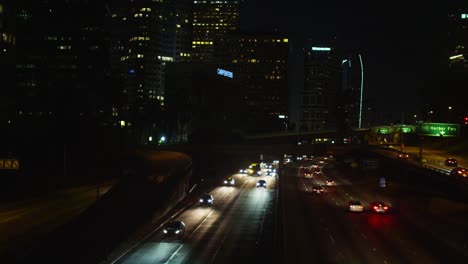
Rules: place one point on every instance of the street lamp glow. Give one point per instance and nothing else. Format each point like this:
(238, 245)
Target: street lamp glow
(450, 108)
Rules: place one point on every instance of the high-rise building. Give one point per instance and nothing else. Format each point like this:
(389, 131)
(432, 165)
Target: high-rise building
(136, 50)
(349, 96)
(259, 62)
(321, 84)
(212, 19)
(177, 30)
(458, 40)
(61, 59)
(7, 66)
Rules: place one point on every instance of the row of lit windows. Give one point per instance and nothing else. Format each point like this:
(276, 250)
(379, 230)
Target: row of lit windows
(58, 38)
(215, 2)
(184, 54)
(64, 47)
(210, 24)
(202, 42)
(464, 16)
(273, 77)
(140, 15)
(139, 38)
(138, 56)
(285, 40)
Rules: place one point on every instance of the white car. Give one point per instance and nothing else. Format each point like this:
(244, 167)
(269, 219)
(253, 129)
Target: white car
(355, 206)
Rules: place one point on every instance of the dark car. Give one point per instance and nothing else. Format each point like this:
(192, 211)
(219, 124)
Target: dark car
(459, 171)
(451, 162)
(317, 189)
(261, 183)
(206, 199)
(403, 155)
(229, 181)
(175, 228)
(379, 207)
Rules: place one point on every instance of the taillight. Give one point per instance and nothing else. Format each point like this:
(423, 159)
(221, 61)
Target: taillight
(385, 208)
(375, 207)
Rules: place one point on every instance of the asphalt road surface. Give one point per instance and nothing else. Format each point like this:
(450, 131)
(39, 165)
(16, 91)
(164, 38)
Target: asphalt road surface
(238, 228)
(318, 228)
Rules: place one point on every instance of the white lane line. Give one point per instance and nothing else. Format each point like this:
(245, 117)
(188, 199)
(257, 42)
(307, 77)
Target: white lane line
(173, 254)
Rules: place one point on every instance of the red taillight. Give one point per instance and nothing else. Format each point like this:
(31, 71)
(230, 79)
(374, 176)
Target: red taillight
(375, 207)
(385, 208)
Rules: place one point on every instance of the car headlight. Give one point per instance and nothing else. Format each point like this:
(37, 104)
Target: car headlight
(232, 182)
(225, 181)
(177, 231)
(209, 200)
(258, 184)
(201, 200)
(165, 231)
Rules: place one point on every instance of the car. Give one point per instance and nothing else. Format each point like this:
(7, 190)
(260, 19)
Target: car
(403, 155)
(206, 199)
(459, 171)
(175, 228)
(229, 181)
(317, 189)
(379, 207)
(330, 182)
(261, 183)
(355, 206)
(451, 162)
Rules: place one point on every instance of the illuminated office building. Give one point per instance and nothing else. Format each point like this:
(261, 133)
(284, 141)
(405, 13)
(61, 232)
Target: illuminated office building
(259, 62)
(320, 87)
(458, 40)
(7, 46)
(136, 54)
(62, 62)
(212, 19)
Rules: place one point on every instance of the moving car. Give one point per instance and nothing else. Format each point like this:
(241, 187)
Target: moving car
(175, 228)
(330, 182)
(459, 171)
(261, 183)
(229, 181)
(355, 206)
(379, 207)
(317, 189)
(403, 155)
(206, 199)
(451, 162)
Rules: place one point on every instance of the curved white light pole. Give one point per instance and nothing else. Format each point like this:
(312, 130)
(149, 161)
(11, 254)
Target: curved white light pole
(362, 89)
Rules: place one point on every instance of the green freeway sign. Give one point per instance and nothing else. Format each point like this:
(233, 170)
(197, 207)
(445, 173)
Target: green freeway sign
(439, 130)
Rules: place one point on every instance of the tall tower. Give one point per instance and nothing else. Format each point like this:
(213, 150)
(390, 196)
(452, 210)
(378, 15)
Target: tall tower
(7, 66)
(136, 55)
(212, 19)
(321, 84)
(259, 62)
(458, 41)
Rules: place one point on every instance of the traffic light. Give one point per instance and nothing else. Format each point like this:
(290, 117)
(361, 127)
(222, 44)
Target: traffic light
(465, 120)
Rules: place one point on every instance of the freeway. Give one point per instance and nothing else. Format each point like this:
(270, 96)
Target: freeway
(422, 226)
(238, 227)
(24, 221)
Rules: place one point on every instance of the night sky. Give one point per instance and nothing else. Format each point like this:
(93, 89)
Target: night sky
(402, 46)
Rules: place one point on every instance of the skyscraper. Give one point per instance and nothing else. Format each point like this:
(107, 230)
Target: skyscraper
(259, 62)
(7, 66)
(321, 84)
(212, 19)
(458, 40)
(136, 51)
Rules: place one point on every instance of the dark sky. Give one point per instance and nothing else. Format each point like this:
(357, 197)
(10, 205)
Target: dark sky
(402, 46)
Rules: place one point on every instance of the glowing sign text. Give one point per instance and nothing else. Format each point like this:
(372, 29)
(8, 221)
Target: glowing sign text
(225, 73)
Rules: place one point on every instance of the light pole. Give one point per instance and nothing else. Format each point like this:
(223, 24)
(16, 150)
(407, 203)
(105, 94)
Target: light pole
(362, 90)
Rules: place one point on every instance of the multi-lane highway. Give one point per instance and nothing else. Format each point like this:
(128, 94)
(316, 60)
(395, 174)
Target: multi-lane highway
(319, 228)
(238, 228)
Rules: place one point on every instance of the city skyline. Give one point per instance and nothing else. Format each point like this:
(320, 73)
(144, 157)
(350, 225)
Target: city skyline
(403, 49)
